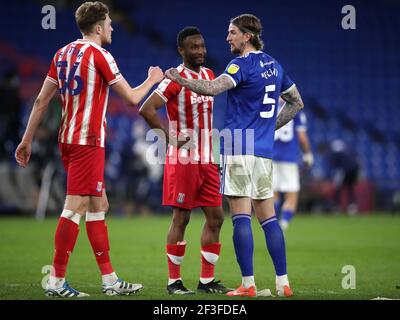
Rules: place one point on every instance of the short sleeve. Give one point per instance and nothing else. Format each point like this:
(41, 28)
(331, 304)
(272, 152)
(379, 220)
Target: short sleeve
(52, 73)
(287, 83)
(300, 121)
(107, 66)
(168, 89)
(236, 70)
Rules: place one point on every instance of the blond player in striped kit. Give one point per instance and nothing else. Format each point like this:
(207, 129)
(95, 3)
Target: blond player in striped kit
(82, 72)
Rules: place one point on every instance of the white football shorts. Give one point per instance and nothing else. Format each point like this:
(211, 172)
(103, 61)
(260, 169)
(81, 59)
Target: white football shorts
(286, 177)
(246, 176)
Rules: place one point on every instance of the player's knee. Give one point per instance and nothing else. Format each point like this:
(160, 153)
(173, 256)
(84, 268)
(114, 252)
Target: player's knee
(215, 223)
(289, 206)
(82, 205)
(98, 204)
(105, 205)
(217, 219)
(181, 221)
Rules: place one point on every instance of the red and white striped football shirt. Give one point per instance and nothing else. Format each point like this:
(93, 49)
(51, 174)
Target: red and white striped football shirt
(190, 110)
(83, 72)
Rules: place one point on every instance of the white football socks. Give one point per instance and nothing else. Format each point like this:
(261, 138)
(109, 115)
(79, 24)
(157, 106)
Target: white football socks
(284, 225)
(171, 281)
(206, 280)
(247, 282)
(56, 283)
(109, 279)
(281, 281)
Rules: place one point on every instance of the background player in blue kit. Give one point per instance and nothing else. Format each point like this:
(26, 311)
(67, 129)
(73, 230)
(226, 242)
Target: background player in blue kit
(286, 176)
(255, 82)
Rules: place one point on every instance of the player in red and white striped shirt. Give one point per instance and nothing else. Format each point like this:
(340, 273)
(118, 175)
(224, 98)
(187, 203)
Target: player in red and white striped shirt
(91, 71)
(191, 179)
(83, 71)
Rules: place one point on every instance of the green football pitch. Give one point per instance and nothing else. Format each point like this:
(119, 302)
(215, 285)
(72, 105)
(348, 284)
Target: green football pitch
(318, 249)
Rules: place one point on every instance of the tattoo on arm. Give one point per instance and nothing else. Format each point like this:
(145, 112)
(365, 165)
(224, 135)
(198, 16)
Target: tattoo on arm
(294, 104)
(207, 87)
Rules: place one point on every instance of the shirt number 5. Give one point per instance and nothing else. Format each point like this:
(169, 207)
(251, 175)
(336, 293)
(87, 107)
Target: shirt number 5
(268, 100)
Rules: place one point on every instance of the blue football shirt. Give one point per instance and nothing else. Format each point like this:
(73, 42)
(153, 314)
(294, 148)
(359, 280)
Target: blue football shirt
(252, 104)
(286, 147)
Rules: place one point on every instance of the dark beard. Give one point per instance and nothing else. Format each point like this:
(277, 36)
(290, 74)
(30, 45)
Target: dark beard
(196, 64)
(235, 51)
(238, 50)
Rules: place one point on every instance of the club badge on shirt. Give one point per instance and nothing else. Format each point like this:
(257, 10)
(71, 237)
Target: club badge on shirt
(233, 68)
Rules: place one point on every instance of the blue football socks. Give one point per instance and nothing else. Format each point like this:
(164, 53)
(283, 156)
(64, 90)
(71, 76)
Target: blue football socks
(275, 244)
(287, 215)
(243, 243)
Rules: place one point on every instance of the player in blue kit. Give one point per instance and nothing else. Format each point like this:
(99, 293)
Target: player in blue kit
(255, 82)
(289, 140)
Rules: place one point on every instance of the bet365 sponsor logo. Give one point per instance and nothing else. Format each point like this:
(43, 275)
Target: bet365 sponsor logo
(200, 99)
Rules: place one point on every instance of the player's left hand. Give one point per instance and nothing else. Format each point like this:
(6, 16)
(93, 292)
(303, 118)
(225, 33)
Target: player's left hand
(308, 159)
(172, 74)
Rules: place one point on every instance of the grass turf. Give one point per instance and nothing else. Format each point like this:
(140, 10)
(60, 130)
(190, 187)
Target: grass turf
(318, 246)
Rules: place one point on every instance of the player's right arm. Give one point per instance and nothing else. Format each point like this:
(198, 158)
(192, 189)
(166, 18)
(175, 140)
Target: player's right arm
(132, 96)
(23, 151)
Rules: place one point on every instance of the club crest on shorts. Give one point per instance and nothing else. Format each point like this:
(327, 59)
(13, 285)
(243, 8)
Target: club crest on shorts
(99, 186)
(181, 197)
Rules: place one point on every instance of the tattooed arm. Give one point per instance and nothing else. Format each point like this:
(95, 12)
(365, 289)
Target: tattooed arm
(293, 105)
(204, 87)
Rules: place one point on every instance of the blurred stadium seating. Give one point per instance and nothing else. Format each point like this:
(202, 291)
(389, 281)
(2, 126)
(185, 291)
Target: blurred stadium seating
(349, 80)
